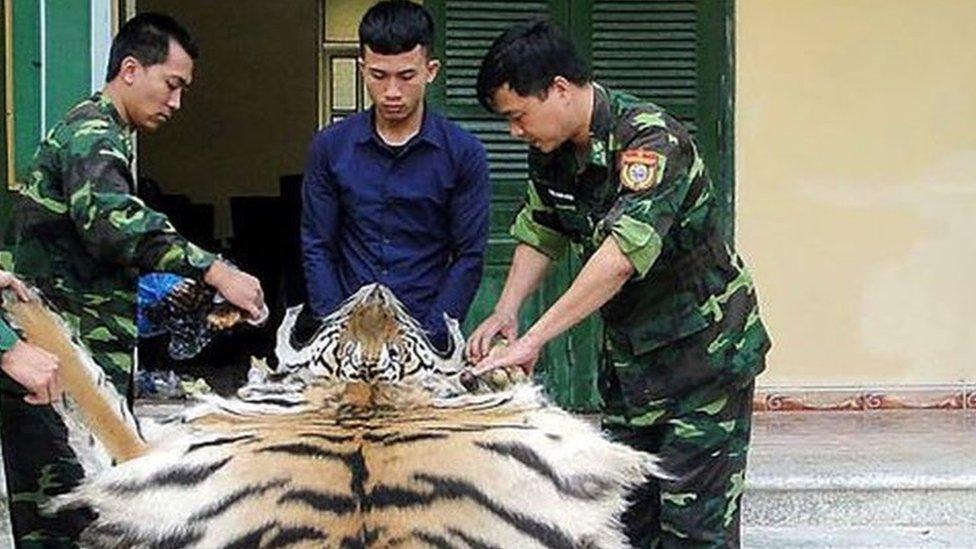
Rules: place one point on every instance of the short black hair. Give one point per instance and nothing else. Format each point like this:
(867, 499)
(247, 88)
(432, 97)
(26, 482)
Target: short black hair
(146, 37)
(396, 26)
(528, 57)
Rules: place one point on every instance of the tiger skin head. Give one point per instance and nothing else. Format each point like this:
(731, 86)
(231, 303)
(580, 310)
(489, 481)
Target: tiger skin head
(372, 338)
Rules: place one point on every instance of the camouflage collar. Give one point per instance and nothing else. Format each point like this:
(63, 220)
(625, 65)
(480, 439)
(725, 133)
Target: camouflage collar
(105, 105)
(601, 121)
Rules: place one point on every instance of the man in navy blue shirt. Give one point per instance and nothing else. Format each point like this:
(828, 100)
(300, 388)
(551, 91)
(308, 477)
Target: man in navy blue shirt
(397, 194)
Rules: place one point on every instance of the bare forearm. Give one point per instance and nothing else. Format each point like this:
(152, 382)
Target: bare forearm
(599, 280)
(237, 287)
(529, 268)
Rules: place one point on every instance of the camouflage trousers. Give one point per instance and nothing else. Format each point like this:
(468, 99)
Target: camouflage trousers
(702, 441)
(37, 459)
(39, 465)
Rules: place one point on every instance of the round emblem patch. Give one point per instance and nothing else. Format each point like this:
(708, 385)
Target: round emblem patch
(640, 169)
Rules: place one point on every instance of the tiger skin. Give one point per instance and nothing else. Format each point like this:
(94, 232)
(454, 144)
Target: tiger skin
(365, 437)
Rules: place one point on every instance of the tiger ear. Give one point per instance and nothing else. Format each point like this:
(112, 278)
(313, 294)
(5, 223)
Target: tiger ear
(452, 360)
(289, 349)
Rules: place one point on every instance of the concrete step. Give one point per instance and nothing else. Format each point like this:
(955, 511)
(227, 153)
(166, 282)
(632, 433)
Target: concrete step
(821, 537)
(907, 474)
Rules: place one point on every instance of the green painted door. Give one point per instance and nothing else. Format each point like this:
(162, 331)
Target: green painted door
(51, 67)
(675, 53)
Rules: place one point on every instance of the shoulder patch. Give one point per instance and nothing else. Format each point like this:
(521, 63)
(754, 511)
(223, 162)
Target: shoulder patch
(641, 169)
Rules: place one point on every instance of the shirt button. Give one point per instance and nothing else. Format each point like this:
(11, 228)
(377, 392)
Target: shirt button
(386, 240)
(386, 272)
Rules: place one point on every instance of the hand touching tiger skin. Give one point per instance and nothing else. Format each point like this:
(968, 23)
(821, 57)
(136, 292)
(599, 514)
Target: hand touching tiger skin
(481, 340)
(523, 353)
(32, 367)
(35, 369)
(8, 280)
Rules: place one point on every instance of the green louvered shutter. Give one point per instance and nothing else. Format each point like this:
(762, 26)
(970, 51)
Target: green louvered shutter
(648, 49)
(678, 55)
(469, 26)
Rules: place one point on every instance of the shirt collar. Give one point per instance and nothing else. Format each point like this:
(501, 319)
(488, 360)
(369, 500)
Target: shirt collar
(105, 105)
(428, 133)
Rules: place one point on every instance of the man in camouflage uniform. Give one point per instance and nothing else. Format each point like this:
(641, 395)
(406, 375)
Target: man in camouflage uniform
(78, 233)
(624, 182)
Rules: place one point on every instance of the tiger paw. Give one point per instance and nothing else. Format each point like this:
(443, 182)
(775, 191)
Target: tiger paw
(223, 317)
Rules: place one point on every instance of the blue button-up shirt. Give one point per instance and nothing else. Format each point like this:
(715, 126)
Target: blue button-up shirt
(415, 220)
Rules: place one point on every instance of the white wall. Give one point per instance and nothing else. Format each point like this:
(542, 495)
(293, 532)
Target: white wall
(856, 161)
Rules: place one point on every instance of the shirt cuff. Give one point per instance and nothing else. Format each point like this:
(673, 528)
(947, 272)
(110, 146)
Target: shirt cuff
(639, 242)
(543, 239)
(8, 337)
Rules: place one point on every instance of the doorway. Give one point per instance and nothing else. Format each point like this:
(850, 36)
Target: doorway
(227, 170)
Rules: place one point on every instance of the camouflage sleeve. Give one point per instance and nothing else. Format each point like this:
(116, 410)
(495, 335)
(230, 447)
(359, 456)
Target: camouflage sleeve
(115, 226)
(534, 225)
(655, 169)
(7, 336)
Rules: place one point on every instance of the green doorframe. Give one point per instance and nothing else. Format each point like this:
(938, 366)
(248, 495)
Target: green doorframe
(48, 78)
(6, 167)
(717, 26)
(26, 87)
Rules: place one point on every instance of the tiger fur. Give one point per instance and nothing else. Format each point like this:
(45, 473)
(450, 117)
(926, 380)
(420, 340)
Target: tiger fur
(368, 440)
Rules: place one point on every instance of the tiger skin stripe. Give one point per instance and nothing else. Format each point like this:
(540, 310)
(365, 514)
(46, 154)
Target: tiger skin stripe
(408, 473)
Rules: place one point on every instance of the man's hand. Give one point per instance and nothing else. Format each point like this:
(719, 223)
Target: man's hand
(35, 369)
(237, 287)
(524, 353)
(481, 340)
(8, 280)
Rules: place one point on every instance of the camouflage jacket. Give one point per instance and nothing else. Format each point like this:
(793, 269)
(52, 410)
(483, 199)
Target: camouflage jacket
(79, 234)
(643, 183)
